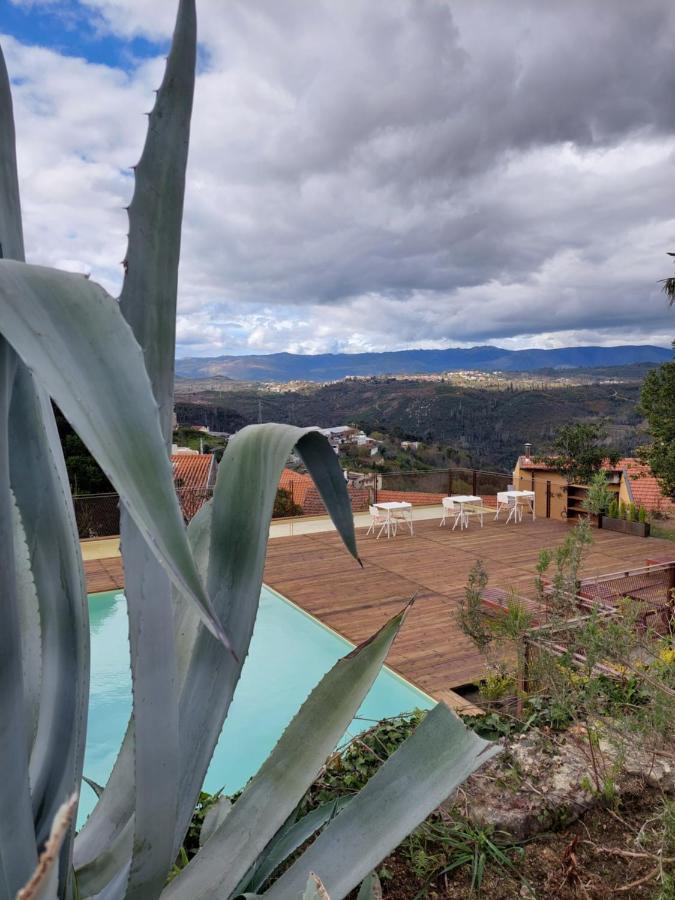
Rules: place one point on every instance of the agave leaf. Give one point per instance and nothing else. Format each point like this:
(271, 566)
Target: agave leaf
(40, 484)
(314, 889)
(214, 817)
(18, 852)
(105, 828)
(94, 785)
(29, 624)
(243, 501)
(44, 881)
(424, 771)
(292, 836)
(148, 298)
(148, 302)
(233, 544)
(370, 889)
(71, 333)
(11, 232)
(270, 797)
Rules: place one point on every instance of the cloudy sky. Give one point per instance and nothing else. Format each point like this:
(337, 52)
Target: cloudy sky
(369, 174)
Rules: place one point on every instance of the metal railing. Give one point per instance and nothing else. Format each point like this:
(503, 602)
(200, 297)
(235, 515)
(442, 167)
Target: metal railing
(439, 482)
(98, 515)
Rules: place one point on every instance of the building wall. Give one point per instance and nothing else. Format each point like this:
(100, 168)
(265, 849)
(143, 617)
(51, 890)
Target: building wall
(535, 480)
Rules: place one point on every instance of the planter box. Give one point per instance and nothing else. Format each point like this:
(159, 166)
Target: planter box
(637, 529)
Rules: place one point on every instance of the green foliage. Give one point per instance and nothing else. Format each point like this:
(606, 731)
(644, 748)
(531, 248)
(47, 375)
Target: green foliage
(284, 505)
(657, 402)
(599, 497)
(84, 473)
(445, 844)
(496, 684)
(579, 451)
(349, 769)
(642, 515)
(613, 509)
(190, 845)
(469, 613)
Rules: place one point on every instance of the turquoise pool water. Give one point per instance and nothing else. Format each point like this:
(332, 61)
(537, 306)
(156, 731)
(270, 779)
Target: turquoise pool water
(290, 651)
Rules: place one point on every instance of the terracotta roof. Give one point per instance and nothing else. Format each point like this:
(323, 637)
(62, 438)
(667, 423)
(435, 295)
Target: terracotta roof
(644, 487)
(296, 484)
(192, 471)
(304, 492)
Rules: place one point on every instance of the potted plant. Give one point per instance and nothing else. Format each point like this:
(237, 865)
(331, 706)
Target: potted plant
(599, 498)
(626, 518)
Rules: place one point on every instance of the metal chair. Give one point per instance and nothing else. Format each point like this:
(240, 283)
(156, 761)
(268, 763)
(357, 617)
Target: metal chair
(379, 517)
(450, 508)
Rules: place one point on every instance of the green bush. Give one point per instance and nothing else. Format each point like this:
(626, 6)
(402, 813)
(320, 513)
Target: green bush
(642, 515)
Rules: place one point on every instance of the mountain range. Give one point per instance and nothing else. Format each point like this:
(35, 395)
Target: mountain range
(333, 366)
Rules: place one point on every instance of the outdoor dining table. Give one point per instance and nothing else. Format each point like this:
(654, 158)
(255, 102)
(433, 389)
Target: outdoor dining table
(390, 506)
(463, 500)
(516, 496)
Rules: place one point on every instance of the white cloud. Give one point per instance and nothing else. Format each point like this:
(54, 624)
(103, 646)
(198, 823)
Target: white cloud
(376, 176)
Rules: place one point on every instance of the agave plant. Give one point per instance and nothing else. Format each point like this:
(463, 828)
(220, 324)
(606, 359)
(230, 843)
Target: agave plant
(192, 593)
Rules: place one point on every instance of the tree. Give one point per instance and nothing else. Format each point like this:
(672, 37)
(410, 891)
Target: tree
(580, 450)
(657, 403)
(669, 286)
(284, 505)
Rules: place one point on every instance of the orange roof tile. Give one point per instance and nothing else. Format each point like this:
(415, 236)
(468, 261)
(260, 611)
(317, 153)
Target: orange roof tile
(644, 487)
(192, 470)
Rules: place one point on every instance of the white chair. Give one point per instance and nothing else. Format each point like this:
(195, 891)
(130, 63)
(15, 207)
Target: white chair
(477, 510)
(450, 508)
(381, 518)
(404, 516)
(504, 501)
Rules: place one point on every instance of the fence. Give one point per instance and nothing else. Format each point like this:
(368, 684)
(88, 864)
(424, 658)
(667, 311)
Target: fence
(98, 515)
(436, 483)
(646, 594)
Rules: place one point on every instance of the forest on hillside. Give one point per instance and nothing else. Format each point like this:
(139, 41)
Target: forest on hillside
(483, 428)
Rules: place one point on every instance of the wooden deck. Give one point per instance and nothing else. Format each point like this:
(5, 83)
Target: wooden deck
(315, 572)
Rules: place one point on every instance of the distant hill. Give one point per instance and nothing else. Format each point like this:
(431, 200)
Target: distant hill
(332, 366)
(482, 428)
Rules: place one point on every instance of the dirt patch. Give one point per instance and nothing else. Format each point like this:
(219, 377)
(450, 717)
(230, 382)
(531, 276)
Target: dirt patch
(576, 862)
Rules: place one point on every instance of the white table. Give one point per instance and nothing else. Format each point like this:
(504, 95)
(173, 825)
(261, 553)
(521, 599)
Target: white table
(463, 500)
(516, 509)
(392, 505)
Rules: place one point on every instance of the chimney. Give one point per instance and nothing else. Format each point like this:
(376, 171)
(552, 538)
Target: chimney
(528, 450)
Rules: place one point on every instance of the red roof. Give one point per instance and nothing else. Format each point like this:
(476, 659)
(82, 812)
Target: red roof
(192, 470)
(644, 487)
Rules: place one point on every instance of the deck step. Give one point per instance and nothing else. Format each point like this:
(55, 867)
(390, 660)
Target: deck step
(458, 703)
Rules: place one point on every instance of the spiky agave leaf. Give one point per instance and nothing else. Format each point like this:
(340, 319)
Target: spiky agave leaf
(440, 754)
(287, 773)
(37, 474)
(18, 851)
(72, 335)
(148, 302)
(229, 537)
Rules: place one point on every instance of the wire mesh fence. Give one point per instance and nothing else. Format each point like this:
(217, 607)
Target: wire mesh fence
(436, 483)
(98, 515)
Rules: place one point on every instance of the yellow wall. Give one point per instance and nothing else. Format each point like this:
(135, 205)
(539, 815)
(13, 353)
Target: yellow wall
(535, 479)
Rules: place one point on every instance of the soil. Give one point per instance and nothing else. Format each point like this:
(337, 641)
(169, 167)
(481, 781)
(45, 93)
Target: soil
(576, 862)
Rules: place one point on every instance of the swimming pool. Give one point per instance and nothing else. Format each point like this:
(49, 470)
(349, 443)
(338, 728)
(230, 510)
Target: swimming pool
(289, 653)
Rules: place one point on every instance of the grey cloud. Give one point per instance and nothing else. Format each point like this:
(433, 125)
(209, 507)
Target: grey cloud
(394, 172)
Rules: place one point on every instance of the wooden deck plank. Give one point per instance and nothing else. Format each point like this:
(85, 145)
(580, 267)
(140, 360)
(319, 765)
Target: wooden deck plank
(316, 573)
